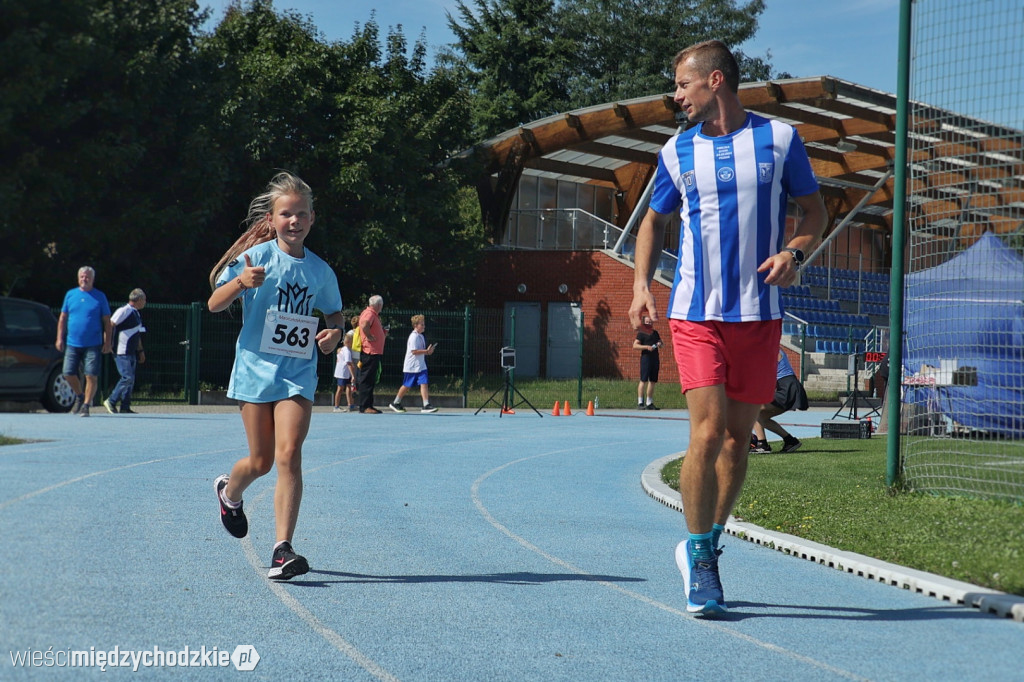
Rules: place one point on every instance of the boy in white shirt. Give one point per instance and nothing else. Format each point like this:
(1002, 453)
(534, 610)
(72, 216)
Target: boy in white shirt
(345, 372)
(414, 371)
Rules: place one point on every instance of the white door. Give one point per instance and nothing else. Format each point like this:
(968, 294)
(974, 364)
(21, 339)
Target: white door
(564, 340)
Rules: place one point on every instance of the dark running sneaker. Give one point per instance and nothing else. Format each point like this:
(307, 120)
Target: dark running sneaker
(703, 586)
(233, 519)
(397, 407)
(286, 564)
(428, 409)
(790, 444)
(76, 407)
(127, 410)
(762, 448)
(652, 406)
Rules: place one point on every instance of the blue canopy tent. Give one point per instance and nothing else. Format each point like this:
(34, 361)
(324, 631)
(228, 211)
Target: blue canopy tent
(971, 309)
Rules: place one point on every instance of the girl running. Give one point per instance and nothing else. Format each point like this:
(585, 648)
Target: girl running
(282, 285)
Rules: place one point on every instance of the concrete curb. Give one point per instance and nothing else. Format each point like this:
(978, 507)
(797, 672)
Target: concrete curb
(939, 587)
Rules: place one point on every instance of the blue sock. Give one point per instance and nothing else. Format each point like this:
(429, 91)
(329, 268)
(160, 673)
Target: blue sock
(716, 534)
(700, 546)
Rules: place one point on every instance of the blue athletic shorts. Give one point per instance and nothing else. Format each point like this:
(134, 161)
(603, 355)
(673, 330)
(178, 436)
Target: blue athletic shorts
(345, 382)
(410, 379)
(89, 357)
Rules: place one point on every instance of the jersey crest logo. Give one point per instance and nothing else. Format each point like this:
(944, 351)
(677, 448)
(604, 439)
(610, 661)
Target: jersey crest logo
(689, 179)
(294, 299)
(726, 174)
(765, 172)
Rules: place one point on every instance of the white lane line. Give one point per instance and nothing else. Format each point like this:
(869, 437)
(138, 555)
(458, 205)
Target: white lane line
(722, 628)
(307, 616)
(335, 640)
(78, 479)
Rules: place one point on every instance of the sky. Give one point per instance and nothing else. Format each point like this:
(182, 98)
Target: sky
(855, 40)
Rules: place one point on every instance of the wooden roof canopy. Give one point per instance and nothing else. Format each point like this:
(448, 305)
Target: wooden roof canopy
(848, 130)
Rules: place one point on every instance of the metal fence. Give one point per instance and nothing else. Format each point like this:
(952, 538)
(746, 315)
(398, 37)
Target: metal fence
(189, 349)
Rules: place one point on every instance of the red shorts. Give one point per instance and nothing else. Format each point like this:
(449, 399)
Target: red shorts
(741, 355)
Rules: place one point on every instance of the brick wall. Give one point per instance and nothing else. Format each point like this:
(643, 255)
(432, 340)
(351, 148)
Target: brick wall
(601, 285)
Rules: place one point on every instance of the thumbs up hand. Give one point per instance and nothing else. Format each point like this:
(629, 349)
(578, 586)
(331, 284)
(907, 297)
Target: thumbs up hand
(252, 277)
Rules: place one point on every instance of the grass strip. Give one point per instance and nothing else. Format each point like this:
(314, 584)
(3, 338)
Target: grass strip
(833, 492)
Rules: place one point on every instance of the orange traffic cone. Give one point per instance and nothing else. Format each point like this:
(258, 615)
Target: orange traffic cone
(554, 410)
(590, 408)
(566, 411)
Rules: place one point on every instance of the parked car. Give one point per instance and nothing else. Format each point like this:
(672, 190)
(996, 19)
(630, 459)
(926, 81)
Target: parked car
(30, 364)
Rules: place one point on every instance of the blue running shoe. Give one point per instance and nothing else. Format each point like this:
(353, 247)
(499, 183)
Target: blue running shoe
(703, 587)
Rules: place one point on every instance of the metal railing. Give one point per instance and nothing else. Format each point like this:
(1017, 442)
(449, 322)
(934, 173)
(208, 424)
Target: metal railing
(573, 229)
(551, 229)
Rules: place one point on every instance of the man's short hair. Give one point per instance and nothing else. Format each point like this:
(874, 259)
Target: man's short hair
(376, 301)
(711, 55)
(417, 319)
(137, 295)
(87, 268)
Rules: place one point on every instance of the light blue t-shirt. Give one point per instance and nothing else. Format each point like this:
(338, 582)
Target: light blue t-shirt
(86, 310)
(292, 285)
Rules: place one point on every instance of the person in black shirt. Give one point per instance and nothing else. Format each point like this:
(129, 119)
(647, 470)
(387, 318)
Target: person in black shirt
(647, 341)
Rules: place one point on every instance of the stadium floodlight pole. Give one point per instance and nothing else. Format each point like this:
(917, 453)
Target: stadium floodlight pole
(899, 202)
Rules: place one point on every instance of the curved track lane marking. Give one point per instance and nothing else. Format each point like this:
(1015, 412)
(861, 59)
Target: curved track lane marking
(335, 640)
(307, 616)
(523, 542)
(83, 477)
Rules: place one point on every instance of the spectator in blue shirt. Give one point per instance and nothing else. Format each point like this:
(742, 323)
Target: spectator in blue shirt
(83, 334)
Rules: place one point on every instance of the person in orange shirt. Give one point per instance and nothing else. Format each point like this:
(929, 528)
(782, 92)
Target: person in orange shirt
(374, 336)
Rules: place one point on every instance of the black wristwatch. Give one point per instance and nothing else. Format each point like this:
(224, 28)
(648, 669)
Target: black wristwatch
(798, 255)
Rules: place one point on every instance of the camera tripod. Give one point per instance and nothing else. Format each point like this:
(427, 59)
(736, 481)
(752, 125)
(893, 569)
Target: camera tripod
(505, 405)
(851, 400)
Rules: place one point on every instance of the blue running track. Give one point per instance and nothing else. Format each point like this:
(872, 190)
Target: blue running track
(450, 546)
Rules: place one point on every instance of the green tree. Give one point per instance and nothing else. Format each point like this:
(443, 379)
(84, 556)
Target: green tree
(368, 126)
(514, 58)
(102, 144)
(624, 48)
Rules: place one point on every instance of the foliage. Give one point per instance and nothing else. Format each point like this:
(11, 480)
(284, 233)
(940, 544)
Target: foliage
(624, 48)
(513, 56)
(103, 143)
(133, 141)
(368, 128)
(128, 135)
(526, 59)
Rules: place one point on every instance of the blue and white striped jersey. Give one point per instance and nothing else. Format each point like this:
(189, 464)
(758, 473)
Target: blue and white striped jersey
(731, 192)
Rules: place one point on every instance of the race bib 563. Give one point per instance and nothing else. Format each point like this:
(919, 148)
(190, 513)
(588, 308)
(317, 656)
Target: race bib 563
(288, 334)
